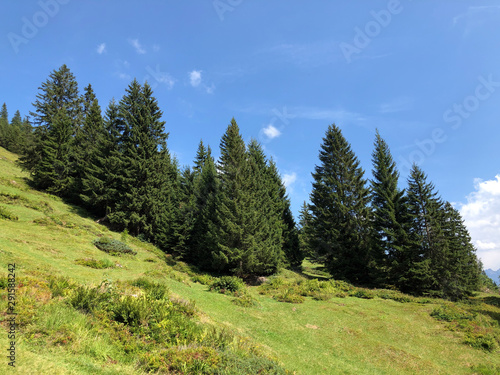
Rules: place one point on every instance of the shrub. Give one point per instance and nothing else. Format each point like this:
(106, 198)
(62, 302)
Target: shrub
(112, 246)
(203, 279)
(485, 341)
(59, 286)
(290, 296)
(245, 300)
(362, 293)
(154, 290)
(96, 264)
(87, 299)
(224, 284)
(6, 214)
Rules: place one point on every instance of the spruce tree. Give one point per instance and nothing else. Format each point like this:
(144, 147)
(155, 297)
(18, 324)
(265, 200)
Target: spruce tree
(203, 241)
(232, 204)
(462, 269)
(4, 127)
(425, 256)
(305, 233)
(86, 148)
(146, 197)
(340, 211)
(57, 115)
(389, 210)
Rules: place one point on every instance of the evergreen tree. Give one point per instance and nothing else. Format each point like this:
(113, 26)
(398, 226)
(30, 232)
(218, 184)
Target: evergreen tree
(305, 233)
(461, 268)
(56, 117)
(4, 127)
(389, 209)
(203, 241)
(85, 150)
(232, 204)
(146, 197)
(426, 253)
(340, 212)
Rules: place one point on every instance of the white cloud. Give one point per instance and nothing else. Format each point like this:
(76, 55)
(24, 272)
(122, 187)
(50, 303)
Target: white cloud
(289, 179)
(137, 45)
(195, 78)
(396, 105)
(271, 132)
(481, 214)
(101, 48)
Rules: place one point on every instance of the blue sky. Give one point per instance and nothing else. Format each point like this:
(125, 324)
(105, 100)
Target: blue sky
(426, 74)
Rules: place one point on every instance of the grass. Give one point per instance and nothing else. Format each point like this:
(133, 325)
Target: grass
(335, 329)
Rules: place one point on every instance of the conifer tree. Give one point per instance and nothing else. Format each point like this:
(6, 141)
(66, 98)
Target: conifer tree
(146, 196)
(340, 213)
(232, 204)
(305, 233)
(461, 267)
(56, 116)
(86, 148)
(203, 241)
(389, 209)
(425, 254)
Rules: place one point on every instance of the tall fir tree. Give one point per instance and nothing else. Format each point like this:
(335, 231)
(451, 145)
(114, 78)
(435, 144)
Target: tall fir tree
(86, 150)
(340, 211)
(56, 116)
(203, 241)
(461, 267)
(389, 210)
(148, 178)
(305, 233)
(232, 204)
(425, 254)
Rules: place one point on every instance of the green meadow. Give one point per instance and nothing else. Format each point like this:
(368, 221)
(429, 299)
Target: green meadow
(82, 310)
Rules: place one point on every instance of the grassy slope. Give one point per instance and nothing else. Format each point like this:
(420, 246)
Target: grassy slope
(339, 336)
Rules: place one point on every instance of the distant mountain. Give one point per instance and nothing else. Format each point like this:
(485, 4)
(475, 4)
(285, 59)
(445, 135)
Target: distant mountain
(493, 275)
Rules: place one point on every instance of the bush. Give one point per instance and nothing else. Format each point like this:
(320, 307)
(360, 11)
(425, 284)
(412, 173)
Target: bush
(245, 300)
(484, 341)
(59, 286)
(112, 246)
(225, 284)
(362, 293)
(290, 296)
(87, 299)
(6, 214)
(154, 290)
(96, 264)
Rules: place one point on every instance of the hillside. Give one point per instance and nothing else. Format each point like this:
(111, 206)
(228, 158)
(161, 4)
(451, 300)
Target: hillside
(66, 328)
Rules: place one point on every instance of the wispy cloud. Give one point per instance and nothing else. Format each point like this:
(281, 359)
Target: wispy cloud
(475, 16)
(481, 214)
(137, 46)
(195, 78)
(156, 76)
(101, 48)
(271, 132)
(397, 105)
(289, 179)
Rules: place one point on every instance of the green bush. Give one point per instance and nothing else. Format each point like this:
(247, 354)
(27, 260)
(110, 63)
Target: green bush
(112, 246)
(245, 300)
(227, 284)
(59, 286)
(87, 299)
(451, 313)
(6, 214)
(484, 341)
(362, 293)
(290, 296)
(96, 264)
(154, 290)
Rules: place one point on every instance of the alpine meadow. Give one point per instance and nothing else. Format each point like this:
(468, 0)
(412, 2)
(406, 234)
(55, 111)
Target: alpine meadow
(175, 218)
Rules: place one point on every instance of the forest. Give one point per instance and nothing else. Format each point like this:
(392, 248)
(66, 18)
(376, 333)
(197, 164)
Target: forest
(232, 216)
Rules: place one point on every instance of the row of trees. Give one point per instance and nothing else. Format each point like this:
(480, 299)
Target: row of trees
(233, 215)
(378, 234)
(230, 216)
(15, 135)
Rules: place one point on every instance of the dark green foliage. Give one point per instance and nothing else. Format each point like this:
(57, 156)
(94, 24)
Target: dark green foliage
(305, 233)
(15, 136)
(389, 210)
(340, 228)
(57, 116)
(112, 246)
(154, 290)
(225, 284)
(86, 151)
(203, 241)
(145, 199)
